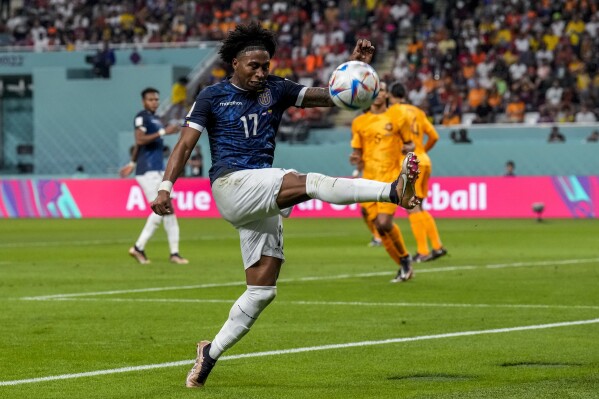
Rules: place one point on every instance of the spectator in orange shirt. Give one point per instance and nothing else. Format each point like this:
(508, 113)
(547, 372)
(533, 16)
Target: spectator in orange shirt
(515, 109)
(415, 46)
(476, 95)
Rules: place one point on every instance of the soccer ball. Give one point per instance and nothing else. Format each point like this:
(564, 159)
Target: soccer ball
(354, 85)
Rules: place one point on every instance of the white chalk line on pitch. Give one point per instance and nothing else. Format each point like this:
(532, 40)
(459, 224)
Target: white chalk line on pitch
(157, 239)
(313, 278)
(301, 350)
(340, 303)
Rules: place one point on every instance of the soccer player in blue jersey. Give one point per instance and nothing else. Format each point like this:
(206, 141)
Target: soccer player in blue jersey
(148, 161)
(241, 115)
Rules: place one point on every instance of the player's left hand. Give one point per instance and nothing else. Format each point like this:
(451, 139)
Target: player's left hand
(363, 51)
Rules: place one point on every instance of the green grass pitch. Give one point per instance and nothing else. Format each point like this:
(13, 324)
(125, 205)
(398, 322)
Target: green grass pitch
(511, 312)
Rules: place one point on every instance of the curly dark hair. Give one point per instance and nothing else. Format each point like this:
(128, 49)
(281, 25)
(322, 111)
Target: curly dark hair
(247, 36)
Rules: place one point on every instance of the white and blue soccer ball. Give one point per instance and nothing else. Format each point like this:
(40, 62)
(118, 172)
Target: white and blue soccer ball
(354, 85)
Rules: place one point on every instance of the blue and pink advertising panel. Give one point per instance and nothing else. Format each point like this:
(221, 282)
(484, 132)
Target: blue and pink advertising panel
(451, 197)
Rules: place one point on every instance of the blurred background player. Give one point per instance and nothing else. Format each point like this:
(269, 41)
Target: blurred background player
(375, 240)
(147, 159)
(422, 222)
(377, 141)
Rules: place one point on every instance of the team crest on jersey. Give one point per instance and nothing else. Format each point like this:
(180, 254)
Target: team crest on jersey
(265, 99)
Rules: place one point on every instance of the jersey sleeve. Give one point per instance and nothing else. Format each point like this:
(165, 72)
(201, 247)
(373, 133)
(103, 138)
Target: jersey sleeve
(293, 93)
(140, 123)
(199, 114)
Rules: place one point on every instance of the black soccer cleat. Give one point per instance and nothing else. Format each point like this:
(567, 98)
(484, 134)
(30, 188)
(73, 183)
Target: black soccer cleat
(437, 253)
(405, 271)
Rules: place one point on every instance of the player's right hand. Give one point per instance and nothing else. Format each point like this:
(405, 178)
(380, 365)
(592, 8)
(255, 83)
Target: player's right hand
(162, 204)
(126, 170)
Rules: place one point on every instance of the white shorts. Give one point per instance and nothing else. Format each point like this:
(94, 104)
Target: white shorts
(149, 183)
(248, 200)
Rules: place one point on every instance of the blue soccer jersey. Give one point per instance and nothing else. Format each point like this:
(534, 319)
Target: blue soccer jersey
(241, 124)
(149, 156)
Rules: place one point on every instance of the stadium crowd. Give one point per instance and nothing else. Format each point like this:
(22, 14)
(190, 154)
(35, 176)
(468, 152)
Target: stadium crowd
(491, 60)
(501, 60)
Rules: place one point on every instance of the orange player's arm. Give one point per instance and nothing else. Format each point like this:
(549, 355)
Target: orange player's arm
(429, 130)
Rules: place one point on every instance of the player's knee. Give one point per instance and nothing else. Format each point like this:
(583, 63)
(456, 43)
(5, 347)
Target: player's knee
(293, 190)
(262, 296)
(383, 226)
(313, 183)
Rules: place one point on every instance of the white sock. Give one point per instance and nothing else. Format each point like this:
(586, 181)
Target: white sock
(337, 190)
(242, 316)
(152, 224)
(172, 232)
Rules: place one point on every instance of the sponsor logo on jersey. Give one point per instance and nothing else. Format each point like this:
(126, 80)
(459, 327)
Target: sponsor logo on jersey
(229, 103)
(265, 99)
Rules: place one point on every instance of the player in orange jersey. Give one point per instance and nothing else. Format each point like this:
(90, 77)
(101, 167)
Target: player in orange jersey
(377, 142)
(422, 223)
(376, 240)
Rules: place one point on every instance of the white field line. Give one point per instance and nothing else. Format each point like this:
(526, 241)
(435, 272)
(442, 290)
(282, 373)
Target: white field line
(315, 278)
(342, 303)
(158, 239)
(300, 350)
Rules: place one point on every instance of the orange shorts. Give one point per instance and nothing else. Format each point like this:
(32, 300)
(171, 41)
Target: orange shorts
(374, 208)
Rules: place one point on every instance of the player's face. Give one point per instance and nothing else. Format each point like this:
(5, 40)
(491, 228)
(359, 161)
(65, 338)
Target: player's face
(151, 101)
(250, 70)
(382, 96)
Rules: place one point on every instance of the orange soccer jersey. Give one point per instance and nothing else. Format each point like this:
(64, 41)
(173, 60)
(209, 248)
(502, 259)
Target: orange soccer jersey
(380, 137)
(419, 126)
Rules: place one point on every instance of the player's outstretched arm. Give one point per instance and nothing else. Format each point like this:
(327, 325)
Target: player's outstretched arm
(319, 96)
(174, 168)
